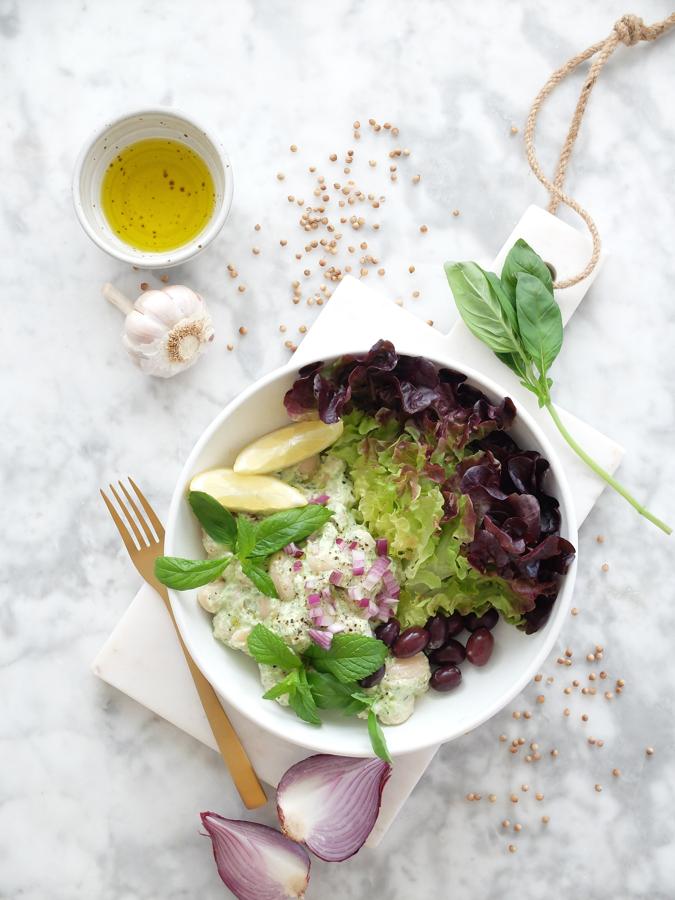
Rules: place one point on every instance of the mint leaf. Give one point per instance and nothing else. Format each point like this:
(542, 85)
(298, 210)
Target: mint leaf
(285, 686)
(282, 528)
(522, 258)
(246, 533)
(350, 657)
(301, 701)
(377, 738)
(267, 647)
(183, 574)
(539, 320)
(329, 693)
(259, 577)
(216, 521)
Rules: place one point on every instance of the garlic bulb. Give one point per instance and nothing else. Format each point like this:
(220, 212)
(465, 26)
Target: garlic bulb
(165, 330)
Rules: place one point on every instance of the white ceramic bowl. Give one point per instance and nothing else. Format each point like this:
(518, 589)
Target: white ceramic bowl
(113, 137)
(437, 717)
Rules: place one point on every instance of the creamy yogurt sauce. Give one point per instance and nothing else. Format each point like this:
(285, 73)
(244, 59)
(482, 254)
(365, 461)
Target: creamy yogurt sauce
(237, 605)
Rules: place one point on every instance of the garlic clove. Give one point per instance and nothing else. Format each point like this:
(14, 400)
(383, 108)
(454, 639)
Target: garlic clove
(143, 329)
(189, 302)
(161, 306)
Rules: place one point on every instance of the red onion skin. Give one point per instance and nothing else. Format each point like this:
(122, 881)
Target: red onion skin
(327, 766)
(230, 870)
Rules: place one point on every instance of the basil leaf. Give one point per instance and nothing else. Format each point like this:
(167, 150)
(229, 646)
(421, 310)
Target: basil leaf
(349, 658)
(539, 319)
(183, 574)
(282, 528)
(514, 362)
(217, 522)
(285, 686)
(302, 702)
(377, 738)
(329, 693)
(507, 303)
(259, 577)
(267, 647)
(480, 308)
(522, 258)
(246, 532)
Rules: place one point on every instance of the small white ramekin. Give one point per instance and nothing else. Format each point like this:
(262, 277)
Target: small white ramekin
(114, 136)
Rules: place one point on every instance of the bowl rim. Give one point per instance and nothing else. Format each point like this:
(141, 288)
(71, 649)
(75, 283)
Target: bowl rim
(563, 602)
(146, 259)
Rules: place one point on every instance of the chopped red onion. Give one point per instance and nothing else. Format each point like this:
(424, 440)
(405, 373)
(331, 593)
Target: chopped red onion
(340, 541)
(331, 803)
(364, 602)
(321, 638)
(353, 545)
(293, 550)
(391, 585)
(358, 562)
(256, 861)
(325, 594)
(372, 609)
(354, 593)
(336, 627)
(335, 577)
(381, 546)
(315, 612)
(313, 600)
(375, 572)
(320, 500)
(297, 566)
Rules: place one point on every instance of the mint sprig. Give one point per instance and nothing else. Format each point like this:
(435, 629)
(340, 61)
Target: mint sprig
(251, 542)
(518, 318)
(311, 685)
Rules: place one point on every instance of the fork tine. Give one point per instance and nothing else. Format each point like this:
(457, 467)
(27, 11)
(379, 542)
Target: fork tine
(152, 515)
(130, 519)
(139, 515)
(121, 527)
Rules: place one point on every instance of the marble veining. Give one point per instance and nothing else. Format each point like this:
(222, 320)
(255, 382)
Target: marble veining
(98, 798)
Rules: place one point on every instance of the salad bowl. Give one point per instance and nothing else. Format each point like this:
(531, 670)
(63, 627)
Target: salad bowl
(438, 717)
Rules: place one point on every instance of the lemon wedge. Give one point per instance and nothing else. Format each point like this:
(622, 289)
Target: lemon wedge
(247, 493)
(286, 447)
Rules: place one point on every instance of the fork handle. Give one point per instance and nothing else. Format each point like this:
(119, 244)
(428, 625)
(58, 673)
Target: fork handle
(231, 749)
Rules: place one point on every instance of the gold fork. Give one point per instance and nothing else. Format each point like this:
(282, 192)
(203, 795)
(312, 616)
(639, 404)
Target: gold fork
(143, 551)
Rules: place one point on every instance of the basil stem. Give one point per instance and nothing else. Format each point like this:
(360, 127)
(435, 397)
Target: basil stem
(591, 463)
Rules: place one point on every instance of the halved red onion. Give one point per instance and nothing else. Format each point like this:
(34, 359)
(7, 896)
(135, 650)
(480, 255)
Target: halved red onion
(256, 861)
(335, 577)
(376, 572)
(358, 562)
(321, 638)
(381, 546)
(331, 803)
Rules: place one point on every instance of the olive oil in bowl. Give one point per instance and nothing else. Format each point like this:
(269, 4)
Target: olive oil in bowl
(157, 195)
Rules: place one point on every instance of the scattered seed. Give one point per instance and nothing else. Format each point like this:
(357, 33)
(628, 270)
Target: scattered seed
(492, 797)
(243, 329)
(411, 269)
(416, 179)
(545, 820)
(574, 611)
(230, 346)
(616, 772)
(455, 212)
(541, 698)
(280, 176)
(294, 148)
(538, 677)
(502, 738)
(283, 242)
(424, 228)
(514, 798)
(649, 751)
(514, 129)
(598, 788)
(566, 711)
(584, 718)
(517, 827)
(554, 753)
(241, 288)
(505, 823)
(527, 714)
(144, 285)
(512, 848)
(257, 227)
(255, 250)
(525, 788)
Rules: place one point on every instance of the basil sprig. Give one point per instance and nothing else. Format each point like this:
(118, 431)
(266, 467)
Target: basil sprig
(251, 542)
(518, 318)
(328, 679)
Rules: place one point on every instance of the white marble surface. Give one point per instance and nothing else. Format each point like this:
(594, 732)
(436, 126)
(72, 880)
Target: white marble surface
(99, 799)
